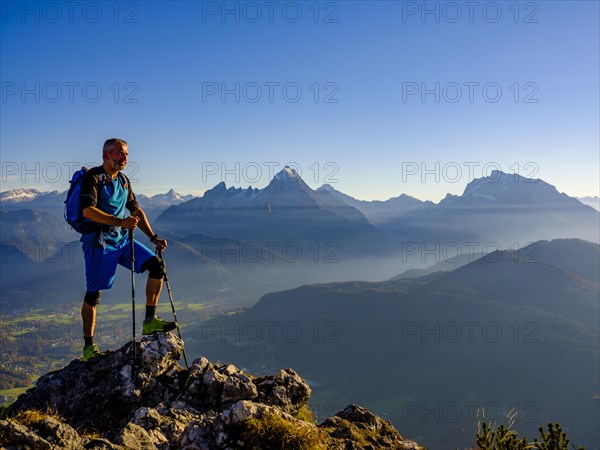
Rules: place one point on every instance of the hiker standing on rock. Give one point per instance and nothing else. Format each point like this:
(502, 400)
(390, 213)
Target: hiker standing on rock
(105, 194)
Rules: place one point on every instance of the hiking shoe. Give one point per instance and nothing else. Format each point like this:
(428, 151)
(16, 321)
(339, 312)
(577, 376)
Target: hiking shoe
(157, 325)
(91, 351)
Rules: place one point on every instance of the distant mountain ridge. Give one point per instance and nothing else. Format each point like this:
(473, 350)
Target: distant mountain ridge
(23, 195)
(53, 202)
(510, 190)
(509, 328)
(35, 232)
(287, 211)
(594, 202)
(155, 204)
(378, 211)
(502, 208)
(287, 222)
(35, 199)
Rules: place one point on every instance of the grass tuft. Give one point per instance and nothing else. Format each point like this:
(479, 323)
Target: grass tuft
(34, 416)
(273, 432)
(305, 414)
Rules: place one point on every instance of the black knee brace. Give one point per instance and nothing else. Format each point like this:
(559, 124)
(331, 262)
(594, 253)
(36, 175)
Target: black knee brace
(155, 267)
(92, 298)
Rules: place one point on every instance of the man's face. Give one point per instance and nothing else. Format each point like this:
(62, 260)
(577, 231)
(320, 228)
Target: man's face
(117, 157)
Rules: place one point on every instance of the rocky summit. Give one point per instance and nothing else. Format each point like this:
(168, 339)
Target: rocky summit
(100, 405)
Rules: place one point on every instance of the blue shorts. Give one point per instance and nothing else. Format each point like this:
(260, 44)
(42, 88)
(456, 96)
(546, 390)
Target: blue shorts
(101, 264)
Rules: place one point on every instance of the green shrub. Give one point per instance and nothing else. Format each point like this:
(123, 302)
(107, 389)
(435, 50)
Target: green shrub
(502, 438)
(554, 439)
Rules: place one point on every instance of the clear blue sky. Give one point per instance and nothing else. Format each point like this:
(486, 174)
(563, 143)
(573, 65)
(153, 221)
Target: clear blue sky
(157, 66)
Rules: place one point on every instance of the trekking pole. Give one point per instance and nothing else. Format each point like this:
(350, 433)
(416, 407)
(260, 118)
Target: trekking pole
(166, 278)
(132, 258)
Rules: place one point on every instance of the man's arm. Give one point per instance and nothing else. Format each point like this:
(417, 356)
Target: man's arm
(89, 199)
(95, 214)
(147, 229)
(143, 222)
(138, 214)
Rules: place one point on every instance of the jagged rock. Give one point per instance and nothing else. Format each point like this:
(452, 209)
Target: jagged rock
(135, 437)
(180, 416)
(237, 387)
(60, 435)
(196, 436)
(148, 418)
(213, 386)
(101, 444)
(165, 407)
(101, 393)
(208, 384)
(45, 432)
(13, 435)
(374, 432)
(286, 389)
(165, 425)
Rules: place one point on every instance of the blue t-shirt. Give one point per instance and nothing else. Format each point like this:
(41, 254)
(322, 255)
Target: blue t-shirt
(113, 197)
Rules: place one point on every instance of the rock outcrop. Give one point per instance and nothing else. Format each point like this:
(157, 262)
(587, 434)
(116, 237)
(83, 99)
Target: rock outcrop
(100, 405)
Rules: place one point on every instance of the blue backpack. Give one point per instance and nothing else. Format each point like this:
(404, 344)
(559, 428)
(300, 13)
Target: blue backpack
(73, 213)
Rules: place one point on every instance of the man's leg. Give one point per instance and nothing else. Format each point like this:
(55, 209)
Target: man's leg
(153, 289)
(100, 269)
(88, 315)
(156, 274)
(146, 260)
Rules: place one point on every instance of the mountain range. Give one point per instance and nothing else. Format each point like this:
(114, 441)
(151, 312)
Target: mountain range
(504, 209)
(287, 212)
(379, 212)
(53, 202)
(256, 240)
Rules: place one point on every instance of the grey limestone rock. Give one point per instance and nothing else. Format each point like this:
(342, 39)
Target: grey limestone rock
(101, 405)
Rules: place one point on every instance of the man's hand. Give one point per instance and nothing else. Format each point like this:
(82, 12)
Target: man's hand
(129, 223)
(160, 243)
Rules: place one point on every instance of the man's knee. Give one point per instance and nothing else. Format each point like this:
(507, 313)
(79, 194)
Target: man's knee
(155, 267)
(92, 298)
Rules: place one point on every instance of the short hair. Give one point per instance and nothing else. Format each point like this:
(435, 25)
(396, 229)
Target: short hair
(109, 143)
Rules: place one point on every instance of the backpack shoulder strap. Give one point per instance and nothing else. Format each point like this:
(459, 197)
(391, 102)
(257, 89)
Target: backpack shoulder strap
(125, 181)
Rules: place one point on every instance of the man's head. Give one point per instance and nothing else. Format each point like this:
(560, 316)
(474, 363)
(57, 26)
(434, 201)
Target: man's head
(114, 154)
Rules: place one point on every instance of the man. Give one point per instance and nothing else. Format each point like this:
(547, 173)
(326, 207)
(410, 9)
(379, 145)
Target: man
(105, 194)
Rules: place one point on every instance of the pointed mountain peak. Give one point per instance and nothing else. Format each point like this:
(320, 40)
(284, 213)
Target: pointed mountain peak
(287, 174)
(219, 189)
(326, 187)
(286, 179)
(168, 195)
